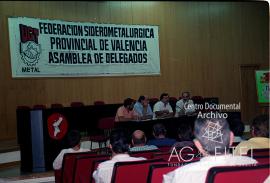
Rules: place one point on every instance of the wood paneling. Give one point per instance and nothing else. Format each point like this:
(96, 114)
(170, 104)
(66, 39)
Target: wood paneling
(249, 105)
(202, 45)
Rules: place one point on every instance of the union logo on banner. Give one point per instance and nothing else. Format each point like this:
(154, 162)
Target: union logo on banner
(29, 48)
(57, 126)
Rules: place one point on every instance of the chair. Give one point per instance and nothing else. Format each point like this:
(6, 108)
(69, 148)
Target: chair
(56, 105)
(57, 176)
(164, 148)
(157, 171)
(258, 152)
(145, 154)
(23, 107)
(68, 165)
(172, 157)
(163, 155)
(85, 165)
(173, 100)
(39, 106)
(132, 171)
(236, 174)
(152, 101)
(198, 99)
(99, 102)
(95, 164)
(76, 104)
(105, 125)
(262, 159)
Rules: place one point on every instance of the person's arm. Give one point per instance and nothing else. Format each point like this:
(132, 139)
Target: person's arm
(121, 116)
(157, 110)
(57, 163)
(103, 173)
(168, 178)
(147, 113)
(97, 176)
(148, 116)
(168, 113)
(160, 114)
(179, 108)
(134, 116)
(124, 118)
(137, 110)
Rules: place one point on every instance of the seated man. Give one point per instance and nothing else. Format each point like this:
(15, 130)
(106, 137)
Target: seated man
(213, 138)
(143, 109)
(237, 127)
(119, 147)
(139, 142)
(185, 137)
(260, 136)
(74, 139)
(185, 106)
(163, 109)
(159, 132)
(126, 112)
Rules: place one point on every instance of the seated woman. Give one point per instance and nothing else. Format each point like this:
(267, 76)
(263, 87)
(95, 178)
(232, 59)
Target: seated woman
(126, 112)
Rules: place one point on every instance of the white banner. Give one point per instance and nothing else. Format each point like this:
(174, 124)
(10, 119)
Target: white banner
(54, 48)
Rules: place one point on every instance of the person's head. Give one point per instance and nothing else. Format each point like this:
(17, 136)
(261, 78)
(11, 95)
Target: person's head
(74, 138)
(185, 132)
(260, 126)
(119, 142)
(164, 97)
(237, 127)
(144, 100)
(185, 95)
(159, 130)
(129, 103)
(138, 138)
(213, 136)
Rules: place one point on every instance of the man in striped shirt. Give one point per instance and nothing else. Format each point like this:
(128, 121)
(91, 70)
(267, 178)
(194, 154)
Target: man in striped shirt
(139, 142)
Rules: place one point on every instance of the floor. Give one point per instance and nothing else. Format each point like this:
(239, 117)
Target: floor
(10, 172)
(14, 175)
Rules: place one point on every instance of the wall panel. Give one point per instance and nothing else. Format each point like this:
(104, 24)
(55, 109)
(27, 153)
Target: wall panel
(202, 45)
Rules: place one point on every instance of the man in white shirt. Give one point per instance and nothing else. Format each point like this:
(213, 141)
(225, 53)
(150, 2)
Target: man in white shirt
(163, 109)
(74, 139)
(185, 106)
(213, 138)
(119, 147)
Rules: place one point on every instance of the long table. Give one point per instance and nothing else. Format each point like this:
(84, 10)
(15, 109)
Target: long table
(171, 125)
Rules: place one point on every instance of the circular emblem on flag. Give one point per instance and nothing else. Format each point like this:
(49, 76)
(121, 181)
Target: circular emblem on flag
(57, 126)
(30, 52)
